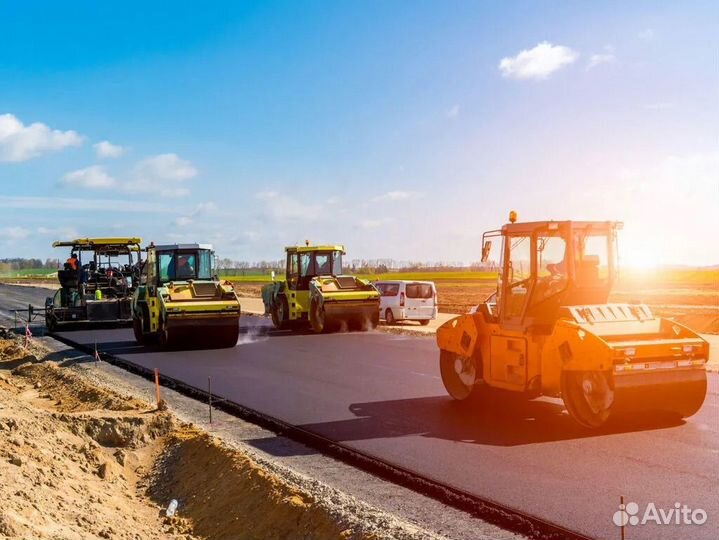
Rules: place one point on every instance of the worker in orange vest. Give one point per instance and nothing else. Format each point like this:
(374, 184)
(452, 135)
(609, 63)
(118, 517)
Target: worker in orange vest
(72, 262)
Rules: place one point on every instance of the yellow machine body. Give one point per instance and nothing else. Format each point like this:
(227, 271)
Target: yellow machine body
(601, 358)
(181, 302)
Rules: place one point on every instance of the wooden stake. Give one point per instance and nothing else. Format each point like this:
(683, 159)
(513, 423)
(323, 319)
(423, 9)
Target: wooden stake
(209, 395)
(157, 387)
(621, 505)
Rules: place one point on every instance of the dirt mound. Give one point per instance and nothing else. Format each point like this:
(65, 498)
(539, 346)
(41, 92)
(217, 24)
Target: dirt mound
(71, 392)
(227, 495)
(75, 475)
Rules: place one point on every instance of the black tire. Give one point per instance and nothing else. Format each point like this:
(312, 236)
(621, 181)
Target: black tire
(374, 320)
(50, 323)
(141, 325)
(280, 313)
(318, 318)
(389, 317)
(586, 397)
(424, 322)
(460, 375)
(137, 330)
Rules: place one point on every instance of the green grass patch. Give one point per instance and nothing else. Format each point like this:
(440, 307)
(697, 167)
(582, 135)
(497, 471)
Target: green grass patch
(33, 273)
(408, 276)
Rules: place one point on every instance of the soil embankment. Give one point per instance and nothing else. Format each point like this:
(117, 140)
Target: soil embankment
(79, 460)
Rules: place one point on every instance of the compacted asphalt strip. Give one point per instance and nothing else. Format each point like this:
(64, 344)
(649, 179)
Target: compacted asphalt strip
(381, 394)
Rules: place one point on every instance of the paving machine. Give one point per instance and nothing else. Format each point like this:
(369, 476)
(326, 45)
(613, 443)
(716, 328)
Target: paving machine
(180, 301)
(548, 330)
(316, 290)
(96, 284)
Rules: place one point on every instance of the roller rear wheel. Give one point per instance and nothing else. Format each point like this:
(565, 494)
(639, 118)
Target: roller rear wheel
(280, 313)
(141, 327)
(588, 396)
(318, 317)
(459, 374)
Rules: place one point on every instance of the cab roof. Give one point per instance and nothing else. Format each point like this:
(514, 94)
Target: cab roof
(319, 247)
(532, 226)
(175, 247)
(101, 244)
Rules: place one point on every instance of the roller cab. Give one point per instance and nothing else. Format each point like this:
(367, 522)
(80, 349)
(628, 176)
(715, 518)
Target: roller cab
(548, 330)
(181, 304)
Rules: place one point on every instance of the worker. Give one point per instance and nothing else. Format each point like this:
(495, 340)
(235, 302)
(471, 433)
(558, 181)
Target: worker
(184, 268)
(72, 263)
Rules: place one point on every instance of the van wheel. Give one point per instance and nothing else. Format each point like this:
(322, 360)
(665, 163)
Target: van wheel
(424, 322)
(389, 317)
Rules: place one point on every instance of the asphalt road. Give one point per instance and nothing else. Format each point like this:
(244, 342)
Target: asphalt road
(381, 393)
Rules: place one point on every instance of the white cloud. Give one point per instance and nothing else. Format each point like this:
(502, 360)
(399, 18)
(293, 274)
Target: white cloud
(283, 208)
(19, 142)
(163, 174)
(105, 149)
(646, 35)
(453, 112)
(374, 223)
(658, 106)
(537, 63)
(392, 196)
(94, 177)
(12, 234)
(603, 58)
(77, 204)
(62, 232)
(166, 167)
(200, 209)
(183, 221)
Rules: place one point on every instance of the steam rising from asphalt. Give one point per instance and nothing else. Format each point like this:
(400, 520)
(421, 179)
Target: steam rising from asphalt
(252, 334)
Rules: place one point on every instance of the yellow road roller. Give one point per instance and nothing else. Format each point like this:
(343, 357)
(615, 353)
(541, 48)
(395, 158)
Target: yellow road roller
(549, 330)
(180, 302)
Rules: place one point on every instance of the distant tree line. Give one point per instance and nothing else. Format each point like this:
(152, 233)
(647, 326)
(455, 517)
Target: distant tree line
(28, 264)
(229, 267)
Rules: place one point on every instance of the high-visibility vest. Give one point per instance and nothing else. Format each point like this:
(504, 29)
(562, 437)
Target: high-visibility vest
(72, 262)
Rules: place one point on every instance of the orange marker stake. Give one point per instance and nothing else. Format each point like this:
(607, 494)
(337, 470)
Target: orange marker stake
(157, 387)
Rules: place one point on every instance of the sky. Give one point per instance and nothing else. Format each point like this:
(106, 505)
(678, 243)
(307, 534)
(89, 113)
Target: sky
(400, 129)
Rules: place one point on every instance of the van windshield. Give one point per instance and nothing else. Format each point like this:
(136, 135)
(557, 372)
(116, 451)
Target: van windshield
(419, 290)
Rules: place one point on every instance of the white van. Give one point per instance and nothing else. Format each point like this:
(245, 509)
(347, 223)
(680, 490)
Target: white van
(407, 301)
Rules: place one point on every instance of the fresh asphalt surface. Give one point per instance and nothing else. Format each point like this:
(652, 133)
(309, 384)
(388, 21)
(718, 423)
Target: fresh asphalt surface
(381, 394)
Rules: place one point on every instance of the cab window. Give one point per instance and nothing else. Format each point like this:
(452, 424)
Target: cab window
(519, 271)
(552, 271)
(336, 263)
(204, 270)
(166, 261)
(591, 263)
(323, 264)
(306, 266)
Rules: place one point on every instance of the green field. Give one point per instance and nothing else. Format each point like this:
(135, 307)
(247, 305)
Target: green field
(30, 273)
(409, 276)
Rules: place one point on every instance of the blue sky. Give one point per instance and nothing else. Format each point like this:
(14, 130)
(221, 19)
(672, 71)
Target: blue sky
(402, 129)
